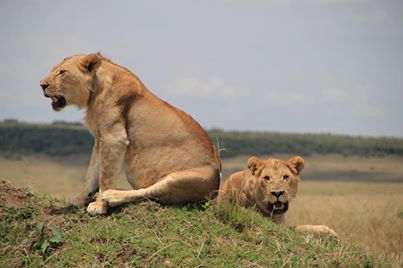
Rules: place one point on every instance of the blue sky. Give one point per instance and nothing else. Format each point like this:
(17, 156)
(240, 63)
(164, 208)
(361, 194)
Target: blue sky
(290, 66)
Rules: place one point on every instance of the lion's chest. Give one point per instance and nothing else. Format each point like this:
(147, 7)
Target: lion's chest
(91, 128)
(91, 124)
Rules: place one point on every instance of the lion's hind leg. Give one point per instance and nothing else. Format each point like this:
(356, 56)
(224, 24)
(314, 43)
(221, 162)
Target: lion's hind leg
(183, 186)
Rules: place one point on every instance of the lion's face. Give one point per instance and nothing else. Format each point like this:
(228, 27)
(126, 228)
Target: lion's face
(275, 182)
(70, 81)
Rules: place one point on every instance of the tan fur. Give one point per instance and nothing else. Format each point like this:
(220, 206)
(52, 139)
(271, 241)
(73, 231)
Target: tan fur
(165, 153)
(268, 186)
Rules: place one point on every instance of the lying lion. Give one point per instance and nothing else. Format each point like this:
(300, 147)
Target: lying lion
(165, 153)
(269, 185)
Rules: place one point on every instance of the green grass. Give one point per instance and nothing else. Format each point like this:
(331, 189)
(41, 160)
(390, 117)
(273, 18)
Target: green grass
(147, 234)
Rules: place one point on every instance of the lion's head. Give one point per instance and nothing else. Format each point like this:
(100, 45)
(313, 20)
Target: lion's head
(274, 182)
(71, 81)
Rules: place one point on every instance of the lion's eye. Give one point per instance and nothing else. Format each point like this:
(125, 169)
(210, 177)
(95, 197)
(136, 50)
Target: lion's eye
(62, 71)
(267, 178)
(285, 177)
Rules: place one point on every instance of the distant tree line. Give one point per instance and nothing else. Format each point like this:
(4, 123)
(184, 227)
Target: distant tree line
(61, 139)
(44, 139)
(267, 143)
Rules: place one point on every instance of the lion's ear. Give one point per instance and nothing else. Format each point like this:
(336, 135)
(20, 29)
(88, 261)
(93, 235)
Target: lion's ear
(255, 165)
(90, 63)
(297, 163)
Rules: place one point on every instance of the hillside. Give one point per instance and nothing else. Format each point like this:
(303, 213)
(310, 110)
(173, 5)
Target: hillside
(35, 232)
(64, 140)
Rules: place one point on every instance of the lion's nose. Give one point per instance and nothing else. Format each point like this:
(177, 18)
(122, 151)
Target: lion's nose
(277, 194)
(44, 86)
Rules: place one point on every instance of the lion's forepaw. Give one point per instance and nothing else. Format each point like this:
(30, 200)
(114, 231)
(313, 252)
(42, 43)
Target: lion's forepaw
(320, 231)
(112, 197)
(98, 207)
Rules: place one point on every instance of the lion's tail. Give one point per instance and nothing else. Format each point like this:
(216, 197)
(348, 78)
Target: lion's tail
(217, 150)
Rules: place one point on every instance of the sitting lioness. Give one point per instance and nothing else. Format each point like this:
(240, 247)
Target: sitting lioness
(269, 185)
(165, 153)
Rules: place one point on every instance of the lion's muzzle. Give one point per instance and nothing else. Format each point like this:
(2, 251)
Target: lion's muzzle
(58, 102)
(278, 207)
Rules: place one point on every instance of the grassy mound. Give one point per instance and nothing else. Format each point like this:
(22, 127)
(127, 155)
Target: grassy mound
(33, 233)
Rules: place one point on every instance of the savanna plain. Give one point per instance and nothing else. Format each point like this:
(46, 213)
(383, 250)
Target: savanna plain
(361, 198)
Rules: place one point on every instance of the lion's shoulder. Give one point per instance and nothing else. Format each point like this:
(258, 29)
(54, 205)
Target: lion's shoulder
(234, 182)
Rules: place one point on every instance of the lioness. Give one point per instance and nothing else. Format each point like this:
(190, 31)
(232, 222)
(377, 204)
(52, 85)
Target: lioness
(269, 185)
(165, 153)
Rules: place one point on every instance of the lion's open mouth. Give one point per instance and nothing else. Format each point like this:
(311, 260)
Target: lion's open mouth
(278, 207)
(58, 102)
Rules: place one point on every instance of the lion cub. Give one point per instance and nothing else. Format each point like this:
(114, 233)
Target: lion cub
(269, 185)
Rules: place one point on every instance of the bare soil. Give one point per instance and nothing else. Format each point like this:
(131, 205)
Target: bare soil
(11, 196)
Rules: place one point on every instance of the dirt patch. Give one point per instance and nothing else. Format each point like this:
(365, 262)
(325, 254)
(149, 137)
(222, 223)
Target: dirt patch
(10, 196)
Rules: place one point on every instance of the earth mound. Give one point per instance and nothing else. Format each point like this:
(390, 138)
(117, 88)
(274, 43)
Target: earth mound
(11, 196)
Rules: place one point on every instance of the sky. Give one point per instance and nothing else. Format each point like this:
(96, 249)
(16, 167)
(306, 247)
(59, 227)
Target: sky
(306, 66)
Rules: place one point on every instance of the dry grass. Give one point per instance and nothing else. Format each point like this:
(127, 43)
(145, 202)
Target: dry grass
(43, 174)
(58, 177)
(368, 214)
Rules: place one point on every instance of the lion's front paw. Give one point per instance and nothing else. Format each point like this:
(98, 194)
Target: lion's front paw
(317, 231)
(329, 231)
(113, 197)
(98, 207)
